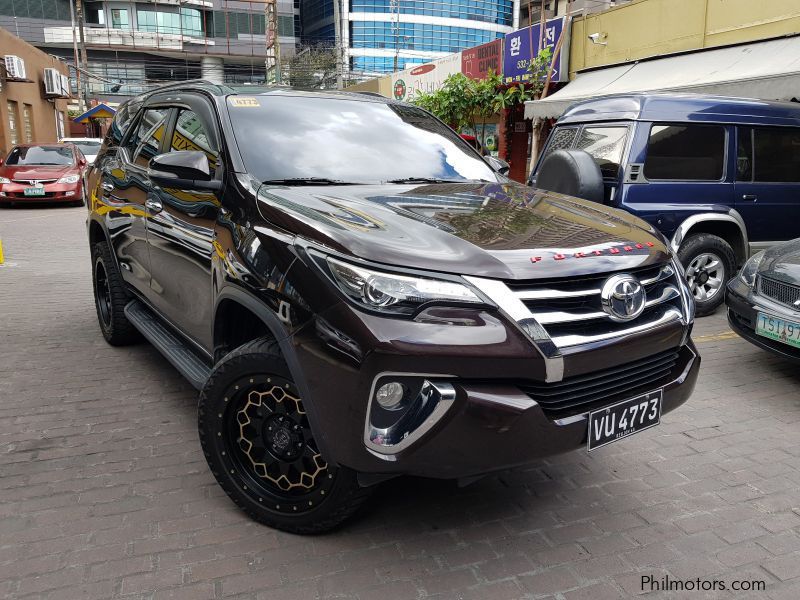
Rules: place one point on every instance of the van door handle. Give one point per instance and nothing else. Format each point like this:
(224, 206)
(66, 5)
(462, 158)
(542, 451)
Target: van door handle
(749, 197)
(153, 205)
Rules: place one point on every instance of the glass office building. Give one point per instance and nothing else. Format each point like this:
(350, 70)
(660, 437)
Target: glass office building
(377, 34)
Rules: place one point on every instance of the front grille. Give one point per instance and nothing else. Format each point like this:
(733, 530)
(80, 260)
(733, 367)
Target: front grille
(583, 393)
(33, 181)
(571, 313)
(782, 293)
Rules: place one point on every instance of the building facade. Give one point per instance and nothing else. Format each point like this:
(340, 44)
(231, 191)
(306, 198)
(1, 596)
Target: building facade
(380, 36)
(133, 46)
(28, 113)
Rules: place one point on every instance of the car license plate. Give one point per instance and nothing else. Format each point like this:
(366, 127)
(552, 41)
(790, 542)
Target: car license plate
(624, 418)
(778, 329)
(36, 190)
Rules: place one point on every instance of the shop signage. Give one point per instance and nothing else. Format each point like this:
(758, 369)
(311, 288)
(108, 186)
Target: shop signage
(424, 78)
(517, 50)
(478, 61)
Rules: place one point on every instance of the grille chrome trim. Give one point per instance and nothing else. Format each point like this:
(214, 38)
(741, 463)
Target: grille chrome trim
(781, 292)
(34, 181)
(669, 315)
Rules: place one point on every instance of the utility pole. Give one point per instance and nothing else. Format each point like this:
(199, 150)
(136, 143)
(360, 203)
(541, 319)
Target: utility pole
(273, 49)
(338, 44)
(81, 98)
(394, 6)
(84, 61)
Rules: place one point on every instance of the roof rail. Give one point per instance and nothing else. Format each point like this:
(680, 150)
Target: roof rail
(371, 94)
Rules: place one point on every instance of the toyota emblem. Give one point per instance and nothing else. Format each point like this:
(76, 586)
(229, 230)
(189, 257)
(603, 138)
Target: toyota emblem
(623, 297)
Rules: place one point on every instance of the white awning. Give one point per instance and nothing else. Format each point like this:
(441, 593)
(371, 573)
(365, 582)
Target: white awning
(764, 70)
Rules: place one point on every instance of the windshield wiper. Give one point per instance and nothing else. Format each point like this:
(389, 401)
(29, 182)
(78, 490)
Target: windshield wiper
(307, 181)
(425, 180)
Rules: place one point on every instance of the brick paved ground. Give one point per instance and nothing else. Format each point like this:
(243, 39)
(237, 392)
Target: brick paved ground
(104, 492)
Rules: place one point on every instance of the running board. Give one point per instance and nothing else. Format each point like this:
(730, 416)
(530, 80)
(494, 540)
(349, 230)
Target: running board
(168, 343)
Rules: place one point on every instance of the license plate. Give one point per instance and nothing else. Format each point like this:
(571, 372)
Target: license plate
(33, 191)
(624, 418)
(778, 329)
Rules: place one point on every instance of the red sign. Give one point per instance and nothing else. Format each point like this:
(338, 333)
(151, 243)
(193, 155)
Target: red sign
(476, 62)
(423, 69)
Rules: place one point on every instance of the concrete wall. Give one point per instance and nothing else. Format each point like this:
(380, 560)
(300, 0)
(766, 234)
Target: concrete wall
(646, 28)
(44, 112)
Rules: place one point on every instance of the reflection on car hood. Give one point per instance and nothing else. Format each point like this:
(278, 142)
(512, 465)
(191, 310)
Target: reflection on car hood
(782, 262)
(505, 231)
(36, 171)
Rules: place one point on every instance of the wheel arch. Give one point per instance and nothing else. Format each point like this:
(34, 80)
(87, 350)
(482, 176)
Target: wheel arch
(236, 302)
(729, 226)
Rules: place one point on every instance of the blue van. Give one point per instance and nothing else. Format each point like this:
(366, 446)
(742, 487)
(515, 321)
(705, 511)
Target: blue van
(719, 177)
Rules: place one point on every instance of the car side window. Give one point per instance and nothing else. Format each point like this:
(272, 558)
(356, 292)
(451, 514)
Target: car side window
(744, 154)
(685, 152)
(776, 154)
(149, 134)
(605, 145)
(191, 134)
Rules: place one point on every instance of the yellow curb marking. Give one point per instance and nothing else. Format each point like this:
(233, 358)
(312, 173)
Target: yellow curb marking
(715, 337)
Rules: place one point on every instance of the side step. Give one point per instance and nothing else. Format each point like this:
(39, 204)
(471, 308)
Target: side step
(168, 343)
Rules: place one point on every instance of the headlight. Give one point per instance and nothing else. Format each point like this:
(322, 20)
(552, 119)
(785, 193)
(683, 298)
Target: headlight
(4, 180)
(390, 292)
(750, 268)
(69, 179)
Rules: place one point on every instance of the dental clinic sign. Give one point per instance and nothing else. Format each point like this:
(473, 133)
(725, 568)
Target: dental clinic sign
(517, 50)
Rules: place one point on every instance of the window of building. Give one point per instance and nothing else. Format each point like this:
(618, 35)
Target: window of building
(776, 153)
(417, 36)
(95, 13)
(60, 130)
(500, 12)
(119, 18)
(186, 22)
(27, 122)
(685, 152)
(13, 130)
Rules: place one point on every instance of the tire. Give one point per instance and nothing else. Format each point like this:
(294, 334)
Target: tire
(280, 479)
(110, 298)
(709, 262)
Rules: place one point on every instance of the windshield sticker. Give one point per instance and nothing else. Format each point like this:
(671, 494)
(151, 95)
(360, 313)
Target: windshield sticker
(244, 102)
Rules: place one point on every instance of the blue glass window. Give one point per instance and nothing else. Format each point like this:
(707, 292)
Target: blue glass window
(489, 11)
(417, 36)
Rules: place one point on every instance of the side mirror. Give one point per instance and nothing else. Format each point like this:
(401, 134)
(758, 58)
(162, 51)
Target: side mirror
(498, 165)
(185, 169)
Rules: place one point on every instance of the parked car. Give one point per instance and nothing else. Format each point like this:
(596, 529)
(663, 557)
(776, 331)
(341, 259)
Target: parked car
(42, 173)
(764, 300)
(358, 295)
(719, 177)
(88, 146)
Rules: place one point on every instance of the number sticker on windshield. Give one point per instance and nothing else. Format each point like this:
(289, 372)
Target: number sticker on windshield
(244, 102)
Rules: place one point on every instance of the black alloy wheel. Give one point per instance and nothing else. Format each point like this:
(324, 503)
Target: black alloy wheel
(261, 448)
(110, 298)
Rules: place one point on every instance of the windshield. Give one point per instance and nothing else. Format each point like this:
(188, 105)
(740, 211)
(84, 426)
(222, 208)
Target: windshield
(40, 155)
(296, 137)
(87, 147)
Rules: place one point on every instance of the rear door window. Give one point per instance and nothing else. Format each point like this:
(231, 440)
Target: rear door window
(776, 154)
(685, 152)
(605, 145)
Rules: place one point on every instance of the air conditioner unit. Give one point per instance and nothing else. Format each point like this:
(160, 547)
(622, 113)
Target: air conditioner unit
(64, 86)
(15, 67)
(52, 82)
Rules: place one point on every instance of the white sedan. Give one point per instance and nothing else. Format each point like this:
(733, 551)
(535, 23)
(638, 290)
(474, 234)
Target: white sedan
(88, 146)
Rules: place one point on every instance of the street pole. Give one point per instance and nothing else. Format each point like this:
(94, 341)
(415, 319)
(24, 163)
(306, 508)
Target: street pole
(395, 5)
(84, 61)
(338, 44)
(81, 98)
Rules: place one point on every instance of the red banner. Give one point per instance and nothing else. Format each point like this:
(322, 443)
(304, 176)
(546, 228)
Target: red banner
(476, 62)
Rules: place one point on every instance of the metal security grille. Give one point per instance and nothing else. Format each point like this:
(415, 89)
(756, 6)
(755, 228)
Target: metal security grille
(783, 293)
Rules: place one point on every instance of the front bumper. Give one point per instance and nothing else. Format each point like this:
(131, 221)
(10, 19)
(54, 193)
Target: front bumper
(54, 192)
(492, 423)
(743, 308)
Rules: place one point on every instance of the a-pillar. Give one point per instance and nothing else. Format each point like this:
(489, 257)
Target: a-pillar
(212, 69)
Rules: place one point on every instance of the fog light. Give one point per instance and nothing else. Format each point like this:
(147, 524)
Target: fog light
(69, 193)
(390, 395)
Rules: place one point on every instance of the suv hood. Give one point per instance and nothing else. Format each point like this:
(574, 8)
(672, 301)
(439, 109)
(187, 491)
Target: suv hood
(496, 230)
(782, 262)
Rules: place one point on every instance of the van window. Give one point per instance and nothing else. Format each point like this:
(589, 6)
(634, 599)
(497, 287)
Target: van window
(605, 144)
(562, 139)
(777, 154)
(685, 152)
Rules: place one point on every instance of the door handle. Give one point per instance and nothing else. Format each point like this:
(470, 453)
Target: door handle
(749, 197)
(107, 186)
(153, 205)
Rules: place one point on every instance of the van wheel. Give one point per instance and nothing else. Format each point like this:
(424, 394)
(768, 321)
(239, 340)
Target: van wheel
(260, 447)
(709, 263)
